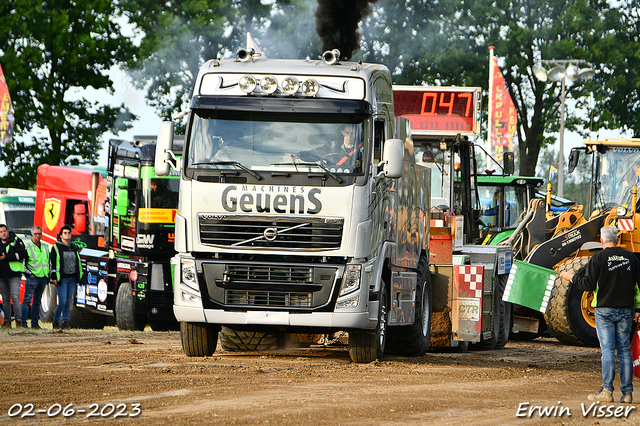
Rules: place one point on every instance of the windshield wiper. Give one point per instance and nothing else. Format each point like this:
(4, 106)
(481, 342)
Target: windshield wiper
(329, 172)
(230, 163)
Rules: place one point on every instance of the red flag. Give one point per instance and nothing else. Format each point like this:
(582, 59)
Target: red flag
(6, 112)
(502, 113)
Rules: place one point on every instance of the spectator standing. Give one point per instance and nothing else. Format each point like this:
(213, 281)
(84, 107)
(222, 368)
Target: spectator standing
(613, 275)
(12, 255)
(66, 272)
(37, 272)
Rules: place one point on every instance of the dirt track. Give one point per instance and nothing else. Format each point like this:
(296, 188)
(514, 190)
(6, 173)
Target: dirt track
(291, 387)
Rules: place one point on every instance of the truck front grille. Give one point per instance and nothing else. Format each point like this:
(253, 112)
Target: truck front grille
(271, 232)
(270, 285)
(267, 299)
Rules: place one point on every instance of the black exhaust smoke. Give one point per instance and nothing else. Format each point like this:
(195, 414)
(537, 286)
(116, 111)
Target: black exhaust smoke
(337, 24)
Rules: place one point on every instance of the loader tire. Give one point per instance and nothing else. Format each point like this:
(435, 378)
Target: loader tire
(48, 303)
(126, 318)
(413, 340)
(569, 316)
(198, 339)
(248, 341)
(368, 346)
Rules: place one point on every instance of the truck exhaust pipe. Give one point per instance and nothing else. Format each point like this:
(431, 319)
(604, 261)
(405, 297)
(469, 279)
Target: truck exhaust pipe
(245, 55)
(331, 56)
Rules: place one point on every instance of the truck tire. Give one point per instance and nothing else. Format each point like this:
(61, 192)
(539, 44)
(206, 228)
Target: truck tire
(198, 339)
(569, 316)
(246, 341)
(413, 340)
(48, 303)
(126, 319)
(84, 318)
(368, 346)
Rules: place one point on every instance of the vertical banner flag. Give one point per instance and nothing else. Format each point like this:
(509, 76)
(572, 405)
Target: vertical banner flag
(503, 119)
(6, 112)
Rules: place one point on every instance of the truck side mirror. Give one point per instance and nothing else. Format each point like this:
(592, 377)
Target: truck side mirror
(164, 144)
(509, 167)
(122, 204)
(574, 156)
(393, 158)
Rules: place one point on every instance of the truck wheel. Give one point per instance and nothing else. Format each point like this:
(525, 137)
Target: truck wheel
(48, 303)
(126, 319)
(413, 340)
(84, 318)
(367, 346)
(198, 339)
(246, 341)
(569, 316)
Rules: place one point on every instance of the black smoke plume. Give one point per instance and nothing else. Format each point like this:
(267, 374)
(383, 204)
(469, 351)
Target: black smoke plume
(337, 24)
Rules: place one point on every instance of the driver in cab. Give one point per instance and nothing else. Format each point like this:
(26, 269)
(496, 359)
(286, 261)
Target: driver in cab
(345, 154)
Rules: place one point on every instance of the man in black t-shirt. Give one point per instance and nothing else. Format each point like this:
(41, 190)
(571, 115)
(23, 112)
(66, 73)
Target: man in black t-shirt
(613, 275)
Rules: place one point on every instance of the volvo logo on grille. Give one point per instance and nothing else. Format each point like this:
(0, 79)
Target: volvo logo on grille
(270, 234)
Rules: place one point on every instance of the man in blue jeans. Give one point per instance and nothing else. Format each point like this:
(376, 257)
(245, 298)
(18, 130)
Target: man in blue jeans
(66, 271)
(37, 272)
(613, 275)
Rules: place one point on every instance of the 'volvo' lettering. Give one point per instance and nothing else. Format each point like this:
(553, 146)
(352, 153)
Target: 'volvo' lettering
(281, 202)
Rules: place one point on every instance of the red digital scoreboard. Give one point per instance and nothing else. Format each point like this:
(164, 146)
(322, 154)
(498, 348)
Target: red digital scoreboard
(445, 111)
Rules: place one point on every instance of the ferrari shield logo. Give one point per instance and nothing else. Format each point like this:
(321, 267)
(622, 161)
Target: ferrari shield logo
(51, 213)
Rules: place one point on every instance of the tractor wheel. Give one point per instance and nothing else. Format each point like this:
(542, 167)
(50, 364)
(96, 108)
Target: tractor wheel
(198, 339)
(126, 319)
(367, 346)
(413, 340)
(48, 303)
(569, 316)
(247, 341)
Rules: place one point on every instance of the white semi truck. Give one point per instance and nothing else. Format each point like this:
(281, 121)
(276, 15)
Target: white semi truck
(302, 209)
(280, 227)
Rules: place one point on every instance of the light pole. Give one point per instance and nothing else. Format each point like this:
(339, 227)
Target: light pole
(559, 71)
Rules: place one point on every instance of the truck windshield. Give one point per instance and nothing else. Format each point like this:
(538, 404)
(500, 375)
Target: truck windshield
(618, 173)
(277, 142)
(160, 193)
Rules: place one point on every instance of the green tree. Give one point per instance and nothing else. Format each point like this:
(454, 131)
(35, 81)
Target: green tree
(49, 51)
(447, 43)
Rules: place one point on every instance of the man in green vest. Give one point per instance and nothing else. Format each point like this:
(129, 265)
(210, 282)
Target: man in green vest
(66, 272)
(37, 272)
(12, 255)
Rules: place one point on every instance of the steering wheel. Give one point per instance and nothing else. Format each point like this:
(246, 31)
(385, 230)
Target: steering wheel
(332, 159)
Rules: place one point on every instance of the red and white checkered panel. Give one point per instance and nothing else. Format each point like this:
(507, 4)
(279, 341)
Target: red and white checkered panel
(625, 225)
(470, 279)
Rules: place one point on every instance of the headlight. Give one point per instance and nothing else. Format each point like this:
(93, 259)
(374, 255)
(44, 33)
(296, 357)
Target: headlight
(268, 84)
(351, 280)
(290, 85)
(621, 211)
(189, 273)
(310, 87)
(247, 84)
